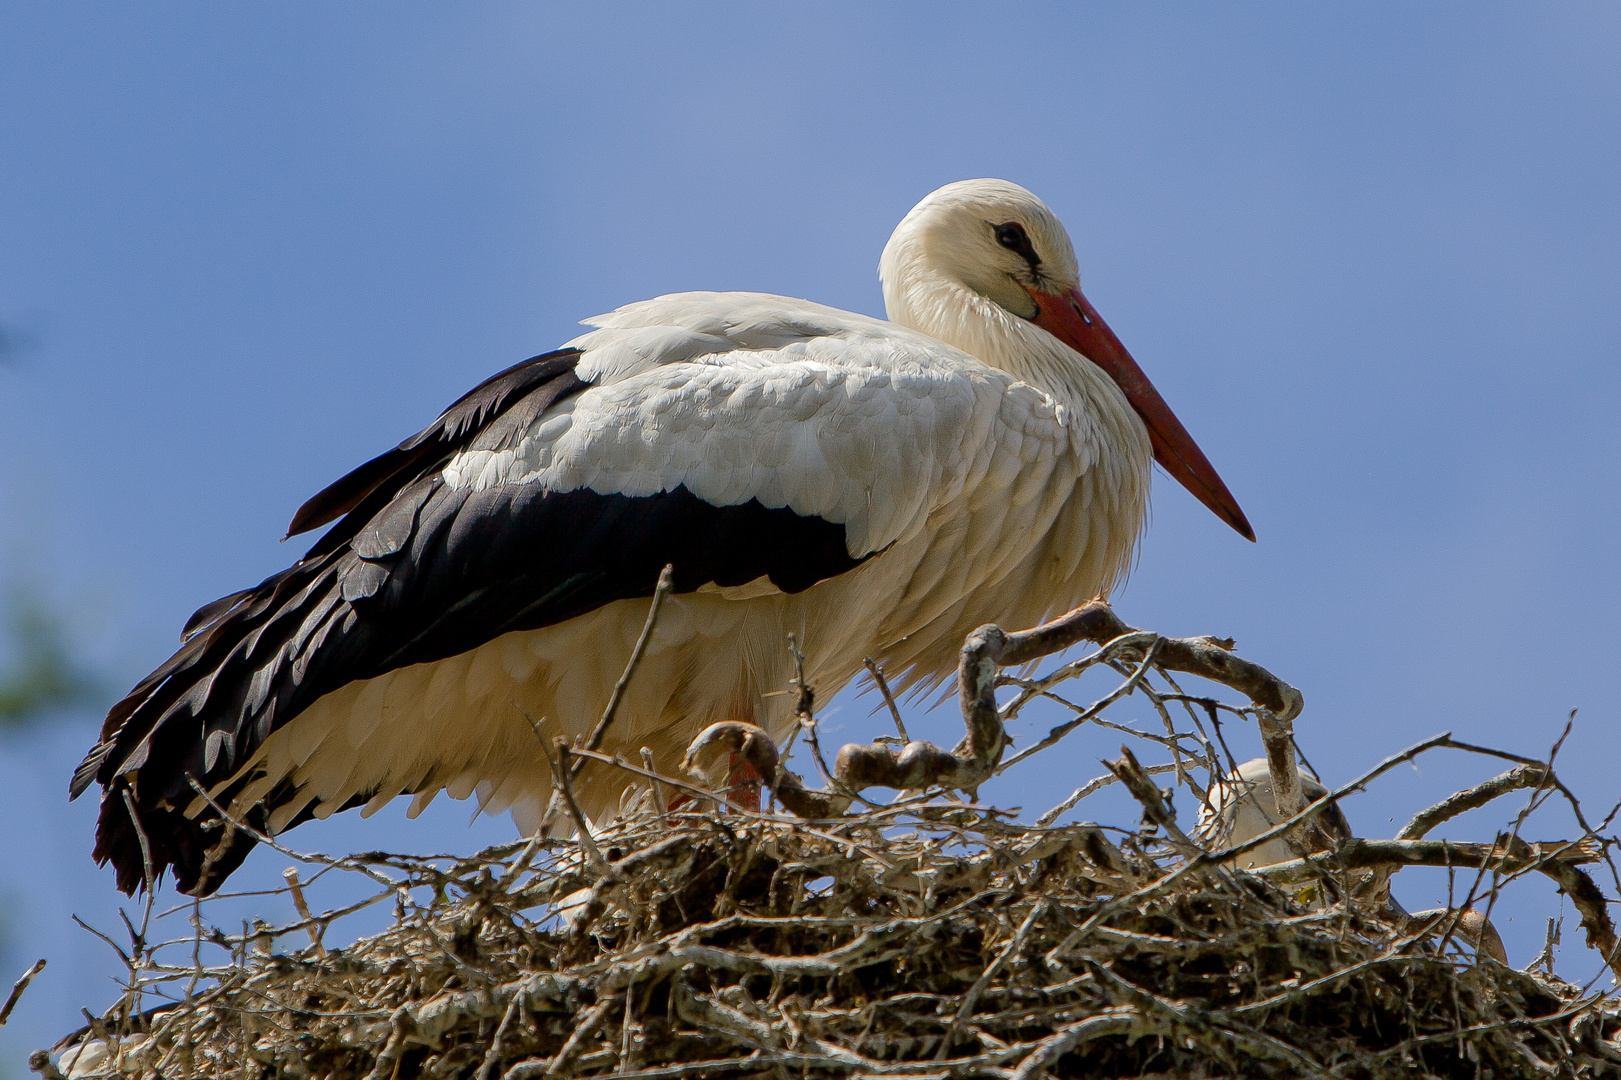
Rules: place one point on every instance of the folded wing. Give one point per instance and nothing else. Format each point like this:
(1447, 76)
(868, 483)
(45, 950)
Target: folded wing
(699, 433)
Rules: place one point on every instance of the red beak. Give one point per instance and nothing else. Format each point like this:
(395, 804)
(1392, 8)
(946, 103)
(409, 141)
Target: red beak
(1073, 320)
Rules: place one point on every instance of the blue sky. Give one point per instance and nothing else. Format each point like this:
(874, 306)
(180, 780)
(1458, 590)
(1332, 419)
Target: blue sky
(1369, 253)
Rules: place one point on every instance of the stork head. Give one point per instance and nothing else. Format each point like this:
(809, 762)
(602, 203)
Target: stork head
(992, 236)
(986, 266)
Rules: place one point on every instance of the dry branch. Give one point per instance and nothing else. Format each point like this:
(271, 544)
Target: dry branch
(918, 765)
(1521, 776)
(17, 989)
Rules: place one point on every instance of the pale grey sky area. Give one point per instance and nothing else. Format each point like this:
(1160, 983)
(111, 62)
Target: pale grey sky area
(1370, 253)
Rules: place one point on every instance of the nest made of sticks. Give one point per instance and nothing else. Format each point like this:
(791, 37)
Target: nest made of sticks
(924, 937)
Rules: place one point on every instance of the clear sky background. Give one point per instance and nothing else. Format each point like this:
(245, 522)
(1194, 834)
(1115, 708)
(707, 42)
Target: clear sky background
(1371, 254)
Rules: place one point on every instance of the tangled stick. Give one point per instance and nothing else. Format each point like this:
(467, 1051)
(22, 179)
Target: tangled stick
(972, 761)
(918, 765)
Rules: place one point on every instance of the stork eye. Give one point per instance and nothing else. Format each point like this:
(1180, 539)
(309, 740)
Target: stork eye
(1013, 237)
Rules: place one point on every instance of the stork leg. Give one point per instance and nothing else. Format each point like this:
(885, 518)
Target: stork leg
(744, 784)
(743, 787)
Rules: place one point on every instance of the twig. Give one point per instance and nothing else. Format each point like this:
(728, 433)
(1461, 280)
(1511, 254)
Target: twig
(387, 1064)
(582, 827)
(1093, 786)
(1127, 687)
(527, 855)
(804, 708)
(1545, 958)
(272, 843)
(17, 989)
(316, 929)
(587, 1027)
(1109, 653)
(879, 681)
(657, 785)
(149, 880)
(115, 946)
(1359, 854)
(1116, 1021)
(619, 762)
(1147, 795)
(1097, 622)
(1277, 734)
(492, 1057)
(1521, 776)
(660, 592)
(970, 999)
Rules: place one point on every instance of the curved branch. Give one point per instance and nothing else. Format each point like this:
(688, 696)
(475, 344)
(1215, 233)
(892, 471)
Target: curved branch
(1521, 776)
(1205, 657)
(1559, 860)
(974, 760)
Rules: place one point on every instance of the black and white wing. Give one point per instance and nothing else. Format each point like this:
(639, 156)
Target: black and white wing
(736, 437)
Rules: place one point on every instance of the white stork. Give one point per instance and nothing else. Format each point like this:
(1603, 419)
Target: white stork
(876, 488)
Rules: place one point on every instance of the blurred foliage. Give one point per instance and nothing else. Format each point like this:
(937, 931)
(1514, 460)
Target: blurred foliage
(38, 672)
(43, 676)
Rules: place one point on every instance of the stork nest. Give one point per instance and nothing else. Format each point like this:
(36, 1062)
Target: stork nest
(927, 937)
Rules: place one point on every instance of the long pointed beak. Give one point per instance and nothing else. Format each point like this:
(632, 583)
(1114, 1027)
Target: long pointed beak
(1072, 319)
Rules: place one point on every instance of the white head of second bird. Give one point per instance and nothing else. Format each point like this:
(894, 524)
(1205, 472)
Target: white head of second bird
(985, 266)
